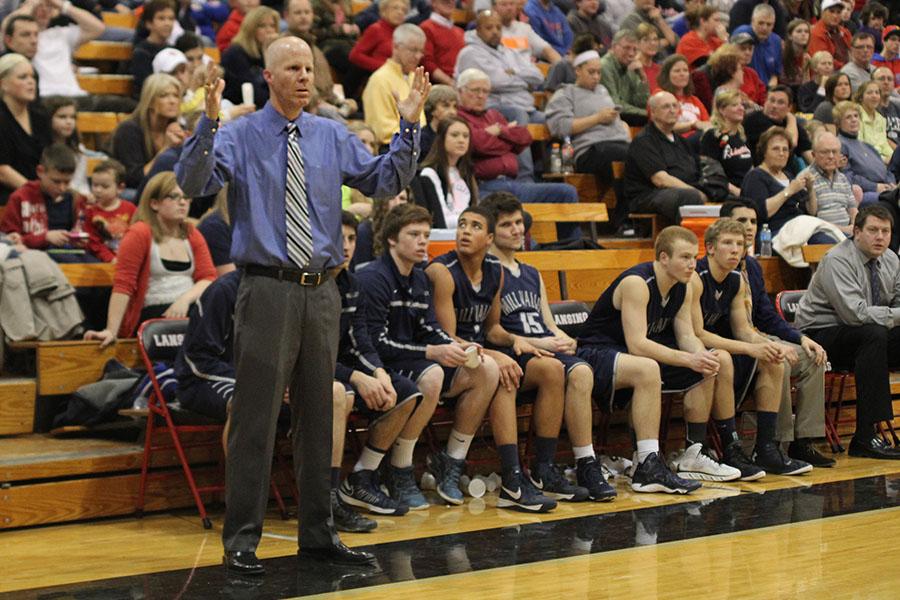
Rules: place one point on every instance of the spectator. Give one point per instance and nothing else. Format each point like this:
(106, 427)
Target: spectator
(163, 263)
(779, 195)
(812, 93)
(848, 309)
(675, 78)
(795, 69)
(623, 76)
(766, 61)
(703, 39)
(848, 18)
(680, 24)
(837, 89)
(443, 42)
(43, 211)
(587, 18)
(722, 71)
(495, 146)
(374, 47)
(890, 52)
(865, 167)
(752, 85)
(215, 226)
(777, 112)
(646, 11)
(151, 129)
(393, 77)
(549, 22)
(353, 200)
(440, 104)
(889, 108)
(418, 11)
(873, 126)
(159, 19)
(208, 17)
(872, 19)
(173, 62)
(108, 218)
(336, 34)
(586, 111)
(24, 126)
(20, 36)
(563, 72)
(229, 29)
(741, 13)
(833, 199)
(830, 35)
(648, 48)
(368, 239)
(243, 61)
(725, 141)
(661, 173)
(447, 178)
(62, 114)
(512, 76)
(519, 36)
(860, 68)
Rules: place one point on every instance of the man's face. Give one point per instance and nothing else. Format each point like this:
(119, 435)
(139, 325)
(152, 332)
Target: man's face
(474, 95)
(506, 9)
(509, 231)
(24, 39)
(665, 112)
(777, 106)
(472, 236)
(644, 5)
(409, 53)
(763, 25)
(873, 238)
(411, 245)
(349, 242)
(826, 153)
(299, 16)
(290, 75)
(746, 217)
(625, 50)
(680, 266)
(488, 30)
(728, 250)
(745, 53)
(443, 7)
(54, 183)
(395, 12)
(892, 44)
(832, 16)
(885, 79)
(589, 7)
(862, 51)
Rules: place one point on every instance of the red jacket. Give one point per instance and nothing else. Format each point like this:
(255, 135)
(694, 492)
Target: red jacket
(132, 276)
(229, 29)
(495, 155)
(693, 47)
(442, 45)
(753, 86)
(821, 39)
(374, 46)
(106, 228)
(26, 214)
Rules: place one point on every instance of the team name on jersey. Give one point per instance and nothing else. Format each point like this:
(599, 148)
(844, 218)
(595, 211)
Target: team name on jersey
(519, 299)
(473, 314)
(659, 325)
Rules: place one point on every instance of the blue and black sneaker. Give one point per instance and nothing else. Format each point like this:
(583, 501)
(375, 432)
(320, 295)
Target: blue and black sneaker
(362, 489)
(447, 471)
(589, 473)
(550, 481)
(401, 484)
(653, 475)
(518, 493)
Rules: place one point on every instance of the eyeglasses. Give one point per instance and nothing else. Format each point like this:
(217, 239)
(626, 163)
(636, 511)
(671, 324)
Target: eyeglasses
(176, 197)
(478, 91)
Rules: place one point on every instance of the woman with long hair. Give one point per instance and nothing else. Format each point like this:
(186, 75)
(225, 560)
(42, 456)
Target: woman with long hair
(675, 77)
(24, 127)
(648, 48)
(163, 263)
(243, 61)
(726, 141)
(837, 89)
(795, 59)
(812, 93)
(873, 126)
(151, 129)
(447, 175)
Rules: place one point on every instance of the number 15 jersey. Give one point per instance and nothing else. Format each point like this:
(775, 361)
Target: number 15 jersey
(520, 303)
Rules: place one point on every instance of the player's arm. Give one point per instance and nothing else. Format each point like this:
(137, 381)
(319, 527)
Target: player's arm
(561, 340)
(698, 358)
(497, 335)
(708, 338)
(759, 347)
(632, 297)
(442, 291)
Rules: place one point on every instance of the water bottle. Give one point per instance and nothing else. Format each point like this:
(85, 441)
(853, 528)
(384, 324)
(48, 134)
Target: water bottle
(765, 241)
(555, 160)
(568, 156)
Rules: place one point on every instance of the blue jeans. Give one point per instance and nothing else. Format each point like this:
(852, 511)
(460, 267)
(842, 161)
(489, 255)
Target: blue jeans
(528, 191)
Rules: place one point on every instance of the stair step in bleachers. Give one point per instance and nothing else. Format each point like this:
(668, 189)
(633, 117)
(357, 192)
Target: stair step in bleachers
(118, 85)
(104, 51)
(117, 19)
(17, 395)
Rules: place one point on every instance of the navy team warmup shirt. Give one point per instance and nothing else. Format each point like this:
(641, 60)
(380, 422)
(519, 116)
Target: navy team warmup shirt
(472, 305)
(715, 302)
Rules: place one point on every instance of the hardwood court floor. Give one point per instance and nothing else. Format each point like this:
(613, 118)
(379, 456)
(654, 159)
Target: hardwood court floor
(826, 535)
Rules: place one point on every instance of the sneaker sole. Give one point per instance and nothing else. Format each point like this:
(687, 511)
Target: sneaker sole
(449, 500)
(800, 471)
(564, 497)
(701, 476)
(369, 507)
(651, 488)
(531, 508)
(608, 498)
(360, 529)
(754, 477)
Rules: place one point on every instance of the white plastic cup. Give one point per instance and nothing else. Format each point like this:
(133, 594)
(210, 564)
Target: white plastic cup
(428, 482)
(472, 358)
(489, 484)
(475, 488)
(247, 92)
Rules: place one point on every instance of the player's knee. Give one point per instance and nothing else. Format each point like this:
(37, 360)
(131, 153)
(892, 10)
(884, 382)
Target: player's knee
(489, 372)
(580, 380)
(550, 370)
(726, 365)
(647, 372)
(773, 370)
(338, 395)
(430, 384)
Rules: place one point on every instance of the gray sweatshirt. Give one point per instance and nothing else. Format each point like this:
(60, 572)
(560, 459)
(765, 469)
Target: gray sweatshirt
(571, 102)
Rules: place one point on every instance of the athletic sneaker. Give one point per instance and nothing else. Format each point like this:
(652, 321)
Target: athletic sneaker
(516, 492)
(590, 476)
(550, 480)
(401, 483)
(653, 475)
(361, 489)
(348, 520)
(447, 471)
(735, 456)
(694, 462)
(772, 458)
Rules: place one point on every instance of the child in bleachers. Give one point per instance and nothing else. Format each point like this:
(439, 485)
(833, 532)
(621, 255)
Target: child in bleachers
(159, 19)
(107, 219)
(63, 117)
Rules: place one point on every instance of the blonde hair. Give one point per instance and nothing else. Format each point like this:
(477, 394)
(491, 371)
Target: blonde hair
(721, 227)
(842, 108)
(154, 86)
(725, 98)
(10, 61)
(665, 241)
(219, 206)
(246, 35)
(160, 185)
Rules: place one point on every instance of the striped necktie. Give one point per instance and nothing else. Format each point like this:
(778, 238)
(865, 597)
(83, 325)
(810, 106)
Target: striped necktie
(299, 232)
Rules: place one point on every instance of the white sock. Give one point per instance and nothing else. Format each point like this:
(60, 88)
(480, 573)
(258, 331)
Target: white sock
(583, 451)
(458, 444)
(645, 448)
(402, 453)
(369, 460)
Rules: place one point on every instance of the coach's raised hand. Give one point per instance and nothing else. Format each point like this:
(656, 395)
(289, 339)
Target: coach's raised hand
(410, 108)
(214, 87)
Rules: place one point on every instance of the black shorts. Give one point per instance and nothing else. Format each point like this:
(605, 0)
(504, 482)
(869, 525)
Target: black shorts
(602, 359)
(407, 391)
(744, 376)
(568, 361)
(414, 369)
(207, 398)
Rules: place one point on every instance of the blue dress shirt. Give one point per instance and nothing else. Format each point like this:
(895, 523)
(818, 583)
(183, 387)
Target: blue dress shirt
(250, 155)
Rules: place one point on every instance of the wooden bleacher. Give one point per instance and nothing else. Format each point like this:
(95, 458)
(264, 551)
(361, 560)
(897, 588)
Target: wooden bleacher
(117, 19)
(118, 85)
(546, 215)
(104, 51)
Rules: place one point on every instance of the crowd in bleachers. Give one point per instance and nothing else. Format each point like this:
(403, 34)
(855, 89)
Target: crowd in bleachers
(786, 107)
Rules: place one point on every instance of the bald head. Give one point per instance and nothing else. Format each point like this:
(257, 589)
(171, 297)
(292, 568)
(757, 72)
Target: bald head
(289, 73)
(488, 27)
(664, 109)
(282, 49)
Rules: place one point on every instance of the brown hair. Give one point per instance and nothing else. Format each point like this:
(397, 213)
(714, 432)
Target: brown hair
(379, 212)
(111, 165)
(767, 136)
(399, 217)
(665, 241)
(663, 78)
(721, 227)
(437, 159)
(160, 185)
(699, 13)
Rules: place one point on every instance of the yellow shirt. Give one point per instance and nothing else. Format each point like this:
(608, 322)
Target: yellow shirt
(378, 101)
(874, 131)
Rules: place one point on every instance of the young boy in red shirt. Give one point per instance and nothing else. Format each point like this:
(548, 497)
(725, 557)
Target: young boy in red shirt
(107, 219)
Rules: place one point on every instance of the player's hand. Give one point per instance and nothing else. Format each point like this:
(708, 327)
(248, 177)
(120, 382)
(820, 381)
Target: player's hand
(522, 346)
(214, 87)
(410, 108)
(448, 355)
(105, 337)
(510, 371)
(770, 352)
(387, 389)
(369, 389)
(790, 354)
(814, 350)
(704, 362)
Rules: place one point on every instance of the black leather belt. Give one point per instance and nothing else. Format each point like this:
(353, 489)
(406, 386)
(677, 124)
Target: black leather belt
(306, 278)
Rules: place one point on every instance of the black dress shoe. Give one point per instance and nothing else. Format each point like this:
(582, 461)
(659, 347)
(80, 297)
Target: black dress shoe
(803, 449)
(338, 554)
(243, 563)
(874, 447)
